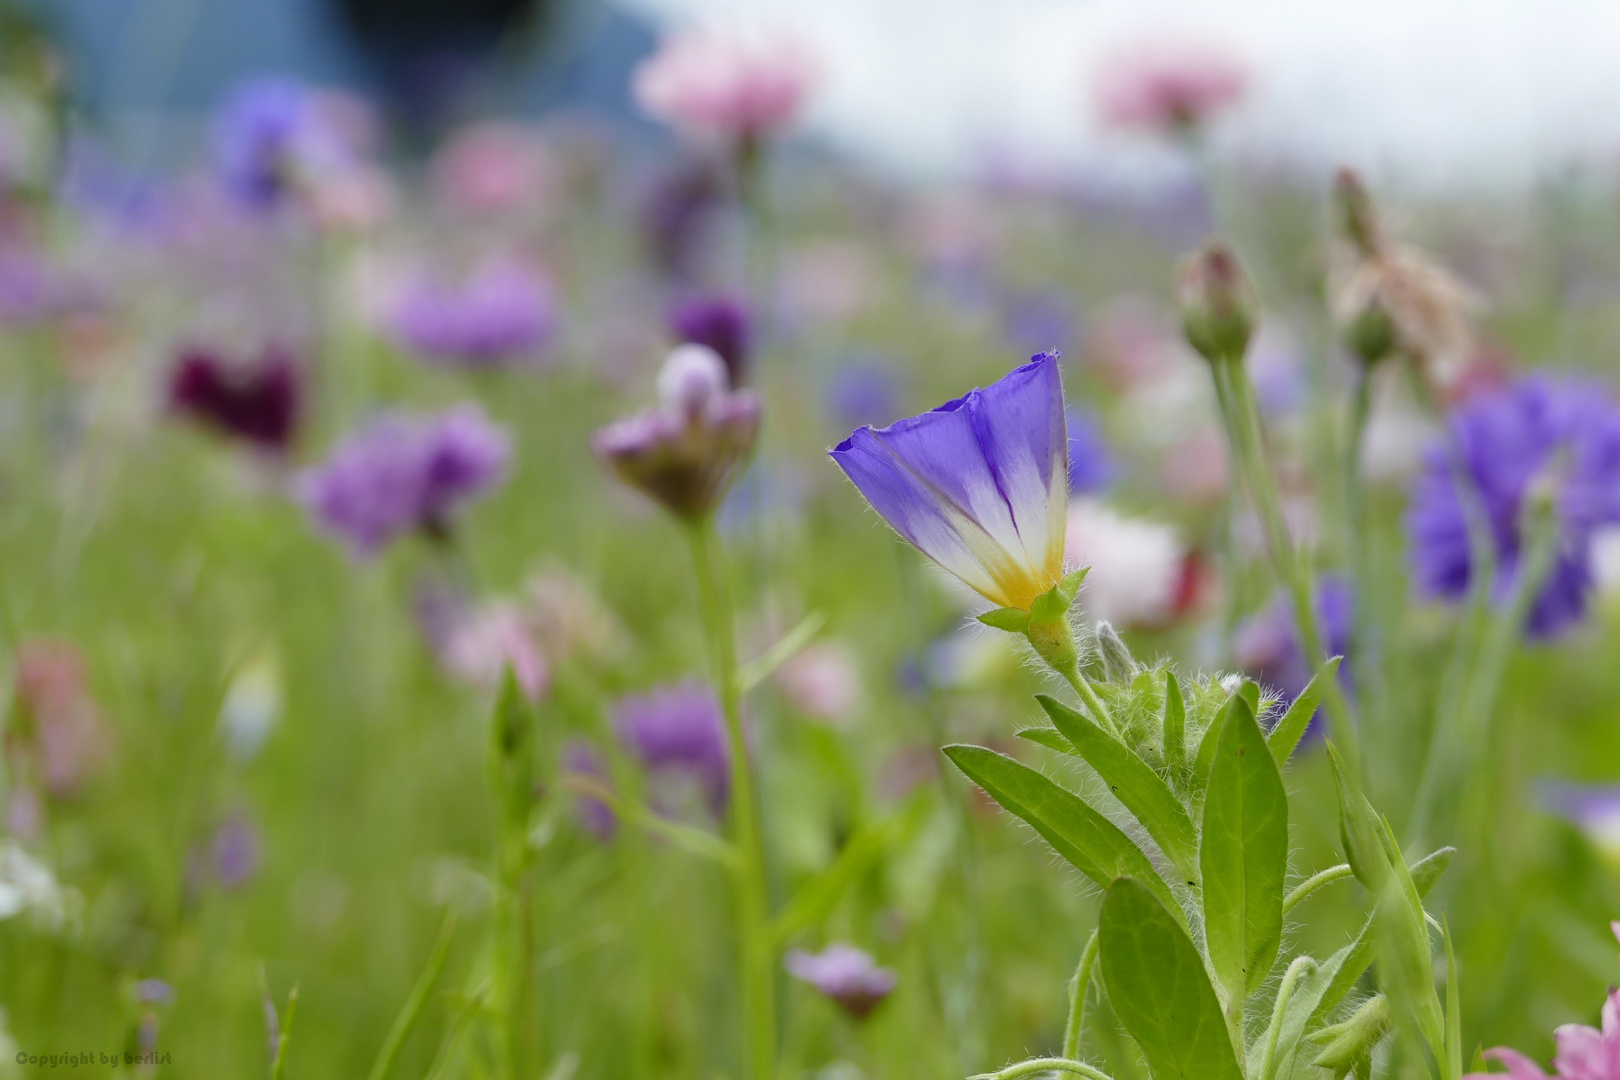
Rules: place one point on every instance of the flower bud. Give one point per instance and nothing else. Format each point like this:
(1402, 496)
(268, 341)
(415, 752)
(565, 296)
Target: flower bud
(1354, 212)
(1352, 1041)
(1217, 303)
(1118, 663)
(692, 377)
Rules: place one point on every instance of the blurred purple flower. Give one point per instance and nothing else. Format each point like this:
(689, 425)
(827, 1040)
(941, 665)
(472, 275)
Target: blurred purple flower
(678, 731)
(593, 815)
(863, 392)
(1267, 645)
(154, 992)
(269, 137)
(1040, 319)
(1091, 464)
(1509, 440)
(1592, 808)
(979, 484)
(236, 850)
(499, 313)
(719, 322)
(845, 974)
(33, 289)
(403, 473)
(257, 401)
(675, 214)
(686, 452)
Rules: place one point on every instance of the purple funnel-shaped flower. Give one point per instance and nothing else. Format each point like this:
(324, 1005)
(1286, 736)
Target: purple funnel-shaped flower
(271, 136)
(257, 401)
(980, 484)
(1507, 442)
(686, 452)
(499, 313)
(402, 473)
(845, 974)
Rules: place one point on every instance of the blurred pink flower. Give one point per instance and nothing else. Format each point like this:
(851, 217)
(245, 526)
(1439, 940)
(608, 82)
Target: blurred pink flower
(1168, 86)
(477, 642)
(823, 681)
(726, 86)
(1584, 1053)
(62, 735)
(1137, 570)
(492, 167)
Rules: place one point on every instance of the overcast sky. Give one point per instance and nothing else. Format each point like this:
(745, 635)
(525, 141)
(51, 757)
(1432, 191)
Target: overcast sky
(1475, 93)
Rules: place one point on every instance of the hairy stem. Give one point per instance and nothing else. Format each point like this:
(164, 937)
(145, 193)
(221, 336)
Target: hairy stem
(1077, 998)
(1036, 1066)
(1315, 881)
(756, 961)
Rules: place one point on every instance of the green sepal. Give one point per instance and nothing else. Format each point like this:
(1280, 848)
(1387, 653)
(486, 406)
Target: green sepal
(1069, 587)
(1285, 736)
(1011, 619)
(1173, 729)
(1347, 1043)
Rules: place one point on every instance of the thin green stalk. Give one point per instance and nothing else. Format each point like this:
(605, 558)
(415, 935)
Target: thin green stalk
(1247, 435)
(412, 1009)
(1036, 1066)
(1285, 993)
(278, 1067)
(1315, 881)
(1355, 517)
(756, 956)
(1088, 695)
(1077, 998)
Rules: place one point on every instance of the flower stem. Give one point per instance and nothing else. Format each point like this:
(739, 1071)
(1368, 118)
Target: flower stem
(1077, 998)
(1247, 435)
(756, 966)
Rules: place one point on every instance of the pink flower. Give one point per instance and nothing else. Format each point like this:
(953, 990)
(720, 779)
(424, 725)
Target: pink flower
(1168, 86)
(823, 681)
(724, 86)
(493, 167)
(1584, 1053)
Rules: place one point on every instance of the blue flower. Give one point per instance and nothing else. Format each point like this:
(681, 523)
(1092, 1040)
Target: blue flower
(269, 136)
(980, 484)
(1268, 646)
(1507, 440)
(1091, 466)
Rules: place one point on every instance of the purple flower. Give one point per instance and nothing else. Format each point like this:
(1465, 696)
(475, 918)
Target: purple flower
(1091, 466)
(686, 452)
(403, 473)
(236, 850)
(1036, 320)
(675, 214)
(1267, 645)
(154, 992)
(862, 392)
(257, 401)
(593, 815)
(497, 314)
(844, 973)
(718, 322)
(1508, 441)
(270, 136)
(980, 484)
(1593, 808)
(678, 733)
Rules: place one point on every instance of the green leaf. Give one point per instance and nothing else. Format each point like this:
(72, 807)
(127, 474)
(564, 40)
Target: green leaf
(1250, 692)
(1132, 781)
(1284, 738)
(1405, 954)
(1206, 745)
(1454, 1049)
(1358, 955)
(1175, 724)
(1011, 619)
(816, 898)
(1048, 737)
(1095, 845)
(1159, 989)
(1244, 855)
(1359, 830)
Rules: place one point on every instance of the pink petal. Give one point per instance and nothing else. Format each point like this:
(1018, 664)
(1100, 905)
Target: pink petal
(1519, 1067)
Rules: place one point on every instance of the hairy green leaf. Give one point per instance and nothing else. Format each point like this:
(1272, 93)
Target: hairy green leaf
(1175, 724)
(1284, 738)
(1095, 845)
(1159, 989)
(1048, 737)
(1244, 855)
(1132, 781)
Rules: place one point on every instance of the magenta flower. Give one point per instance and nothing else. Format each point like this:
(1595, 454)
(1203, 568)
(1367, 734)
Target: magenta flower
(1584, 1053)
(1170, 87)
(845, 974)
(725, 87)
(501, 312)
(257, 401)
(980, 484)
(687, 451)
(404, 473)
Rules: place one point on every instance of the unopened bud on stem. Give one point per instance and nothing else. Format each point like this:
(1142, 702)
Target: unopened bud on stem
(1217, 303)
(1118, 663)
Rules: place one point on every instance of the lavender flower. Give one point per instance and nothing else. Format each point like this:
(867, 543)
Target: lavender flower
(845, 974)
(236, 850)
(404, 473)
(980, 484)
(593, 815)
(499, 313)
(1508, 441)
(675, 213)
(1268, 646)
(687, 451)
(271, 136)
(678, 732)
(718, 322)
(257, 402)
(1091, 465)
(1592, 808)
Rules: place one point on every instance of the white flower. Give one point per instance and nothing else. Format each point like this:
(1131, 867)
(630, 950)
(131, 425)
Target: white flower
(27, 885)
(1136, 566)
(251, 708)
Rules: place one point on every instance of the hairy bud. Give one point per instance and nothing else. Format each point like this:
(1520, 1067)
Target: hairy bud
(1118, 663)
(1217, 303)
